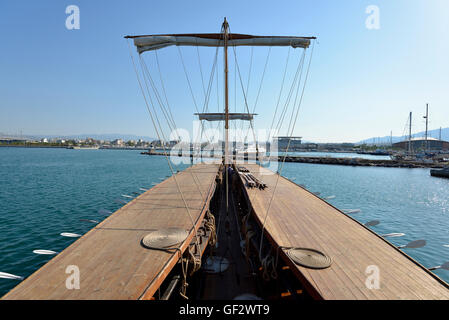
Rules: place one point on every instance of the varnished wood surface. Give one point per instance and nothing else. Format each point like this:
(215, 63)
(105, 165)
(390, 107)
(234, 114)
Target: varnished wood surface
(298, 218)
(112, 262)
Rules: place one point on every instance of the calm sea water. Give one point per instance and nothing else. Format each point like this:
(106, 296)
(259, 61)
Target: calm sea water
(44, 192)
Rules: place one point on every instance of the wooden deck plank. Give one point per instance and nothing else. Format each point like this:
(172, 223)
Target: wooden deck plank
(298, 218)
(112, 263)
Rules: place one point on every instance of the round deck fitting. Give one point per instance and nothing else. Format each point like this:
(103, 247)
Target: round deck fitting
(215, 264)
(164, 238)
(309, 258)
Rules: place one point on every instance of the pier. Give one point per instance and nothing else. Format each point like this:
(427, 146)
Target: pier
(113, 264)
(356, 162)
(298, 218)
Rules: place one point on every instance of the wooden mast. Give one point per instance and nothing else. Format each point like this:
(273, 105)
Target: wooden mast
(226, 158)
(225, 34)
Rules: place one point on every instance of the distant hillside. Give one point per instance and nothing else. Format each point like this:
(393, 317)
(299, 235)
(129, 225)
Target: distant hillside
(386, 139)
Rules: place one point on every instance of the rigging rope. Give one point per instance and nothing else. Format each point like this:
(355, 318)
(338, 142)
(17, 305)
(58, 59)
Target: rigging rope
(164, 91)
(156, 93)
(209, 224)
(165, 152)
(201, 69)
(244, 96)
(250, 68)
(288, 145)
(261, 83)
(298, 73)
(280, 93)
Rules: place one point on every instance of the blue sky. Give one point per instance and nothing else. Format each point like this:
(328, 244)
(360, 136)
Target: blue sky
(363, 83)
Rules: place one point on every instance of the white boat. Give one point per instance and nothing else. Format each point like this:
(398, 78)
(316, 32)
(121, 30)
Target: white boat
(84, 147)
(251, 150)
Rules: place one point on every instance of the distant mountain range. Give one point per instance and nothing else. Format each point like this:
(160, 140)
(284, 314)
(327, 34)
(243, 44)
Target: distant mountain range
(386, 139)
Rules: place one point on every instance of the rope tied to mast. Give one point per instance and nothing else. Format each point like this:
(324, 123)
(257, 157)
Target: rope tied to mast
(268, 263)
(209, 224)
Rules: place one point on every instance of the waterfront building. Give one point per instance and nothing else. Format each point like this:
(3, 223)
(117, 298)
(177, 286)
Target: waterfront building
(283, 143)
(9, 140)
(433, 144)
(117, 142)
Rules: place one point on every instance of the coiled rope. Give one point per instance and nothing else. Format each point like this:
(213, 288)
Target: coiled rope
(267, 263)
(209, 224)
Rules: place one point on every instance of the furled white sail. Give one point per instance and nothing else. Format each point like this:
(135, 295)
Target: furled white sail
(154, 42)
(221, 116)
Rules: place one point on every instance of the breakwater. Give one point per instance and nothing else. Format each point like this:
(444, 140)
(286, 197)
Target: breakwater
(327, 160)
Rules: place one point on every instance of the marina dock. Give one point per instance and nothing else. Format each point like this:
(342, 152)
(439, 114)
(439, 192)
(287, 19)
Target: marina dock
(356, 162)
(352, 247)
(112, 262)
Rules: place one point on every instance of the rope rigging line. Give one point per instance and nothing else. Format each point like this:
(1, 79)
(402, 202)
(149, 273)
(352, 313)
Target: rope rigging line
(293, 85)
(206, 101)
(294, 104)
(250, 69)
(245, 99)
(188, 80)
(261, 83)
(194, 176)
(207, 97)
(193, 258)
(163, 89)
(280, 92)
(298, 74)
(201, 69)
(152, 103)
(160, 128)
(156, 93)
(263, 76)
(241, 122)
(165, 152)
(288, 146)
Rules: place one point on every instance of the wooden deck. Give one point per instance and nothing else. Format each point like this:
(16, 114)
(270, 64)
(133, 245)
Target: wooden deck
(298, 218)
(112, 262)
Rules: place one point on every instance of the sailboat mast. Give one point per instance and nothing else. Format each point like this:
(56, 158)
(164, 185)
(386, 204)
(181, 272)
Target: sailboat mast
(427, 124)
(410, 135)
(391, 139)
(225, 34)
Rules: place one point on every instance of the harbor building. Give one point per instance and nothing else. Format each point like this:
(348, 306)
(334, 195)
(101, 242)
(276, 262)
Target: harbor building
(420, 144)
(12, 140)
(295, 143)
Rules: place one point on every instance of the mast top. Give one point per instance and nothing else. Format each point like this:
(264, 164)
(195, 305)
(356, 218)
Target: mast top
(225, 23)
